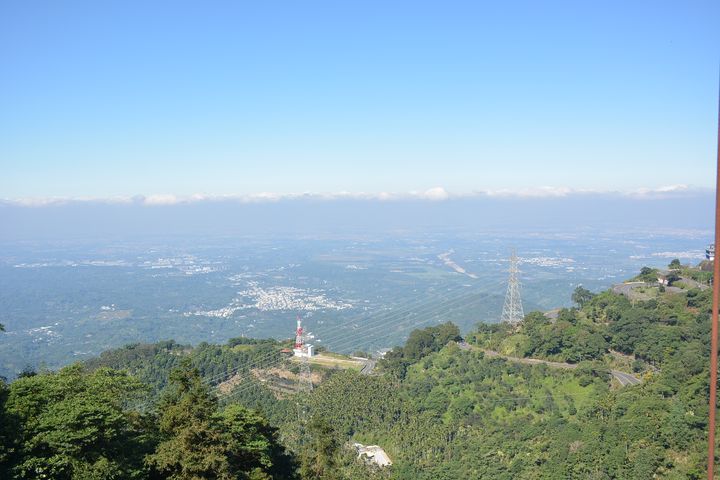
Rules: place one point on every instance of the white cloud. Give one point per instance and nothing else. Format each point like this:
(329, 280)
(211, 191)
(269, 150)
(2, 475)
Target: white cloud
(432, 194)
(659, 191)
(52, 201)
(161, 199)
(437, 193)
(533, 192)
(384, 196)
(549, 192)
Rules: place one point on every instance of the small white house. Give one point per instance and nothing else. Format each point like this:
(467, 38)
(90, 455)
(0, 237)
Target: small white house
(373, 454)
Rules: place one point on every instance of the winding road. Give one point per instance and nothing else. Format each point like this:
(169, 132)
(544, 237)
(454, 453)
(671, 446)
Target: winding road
(368, 365)
(623, 378)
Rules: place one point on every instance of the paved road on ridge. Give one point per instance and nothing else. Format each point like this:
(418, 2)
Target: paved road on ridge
(368, 365)
(623, 378)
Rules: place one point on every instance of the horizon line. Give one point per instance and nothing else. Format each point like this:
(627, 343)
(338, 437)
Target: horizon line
(434, 194)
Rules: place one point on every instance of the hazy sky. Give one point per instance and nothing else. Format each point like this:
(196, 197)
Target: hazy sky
(101, 99)
(680, 213)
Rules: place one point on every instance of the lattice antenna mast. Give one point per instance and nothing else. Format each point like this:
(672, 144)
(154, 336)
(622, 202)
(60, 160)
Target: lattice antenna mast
(513, 310)
(301, 338)
(305, 385)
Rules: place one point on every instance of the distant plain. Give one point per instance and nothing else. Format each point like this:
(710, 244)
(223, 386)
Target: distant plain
(67, 301)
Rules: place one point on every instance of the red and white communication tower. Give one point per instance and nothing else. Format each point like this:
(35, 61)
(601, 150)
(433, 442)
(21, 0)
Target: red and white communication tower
(302, 348)
(299, 335)
(304, 351)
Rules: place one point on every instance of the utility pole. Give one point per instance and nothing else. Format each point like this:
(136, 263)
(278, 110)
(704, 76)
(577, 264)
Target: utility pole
(512, 312)
(715, 306)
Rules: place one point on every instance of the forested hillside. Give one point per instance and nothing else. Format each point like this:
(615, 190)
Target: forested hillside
(441, 408)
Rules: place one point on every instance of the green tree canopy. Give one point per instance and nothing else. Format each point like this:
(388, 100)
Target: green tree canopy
(419, 344)
(198, 441)
(319, 456)
(581, 296)
(74, 424)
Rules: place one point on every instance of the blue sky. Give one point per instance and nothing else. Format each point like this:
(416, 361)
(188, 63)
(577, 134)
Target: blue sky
(103, 99)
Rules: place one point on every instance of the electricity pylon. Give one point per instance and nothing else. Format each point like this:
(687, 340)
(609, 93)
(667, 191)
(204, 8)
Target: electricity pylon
(306, 384)
(513, 310)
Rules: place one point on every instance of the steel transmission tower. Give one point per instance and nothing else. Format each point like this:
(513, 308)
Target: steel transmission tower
(305, 378)
(513, 310)
(305, 387)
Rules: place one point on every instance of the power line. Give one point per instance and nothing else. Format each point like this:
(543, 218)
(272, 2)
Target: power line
(378, 321)
(397, 309)
(416, 322)
(382, 320)
(422, 321)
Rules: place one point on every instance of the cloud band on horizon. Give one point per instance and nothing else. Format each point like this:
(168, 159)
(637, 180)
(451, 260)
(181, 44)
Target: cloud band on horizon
(433, 194)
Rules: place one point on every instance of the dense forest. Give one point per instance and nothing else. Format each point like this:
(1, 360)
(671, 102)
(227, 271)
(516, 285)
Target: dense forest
(441, 406)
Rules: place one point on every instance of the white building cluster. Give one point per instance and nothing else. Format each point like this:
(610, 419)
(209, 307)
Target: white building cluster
(275, 299)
